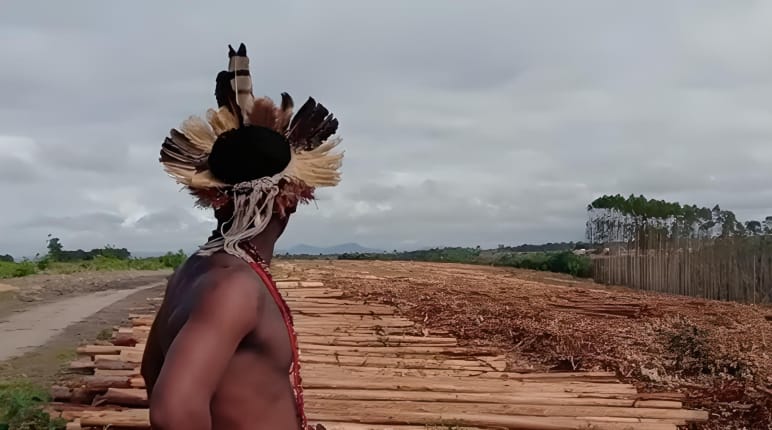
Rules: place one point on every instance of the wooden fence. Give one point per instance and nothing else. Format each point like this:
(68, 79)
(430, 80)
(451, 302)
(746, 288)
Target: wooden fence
(738, 269)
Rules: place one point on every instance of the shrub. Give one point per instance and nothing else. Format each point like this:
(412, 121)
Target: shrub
(568, 262)
(14, 270)
(44, 263)
(21, 408)
(147, 264)
(173, 260)
(559, 262)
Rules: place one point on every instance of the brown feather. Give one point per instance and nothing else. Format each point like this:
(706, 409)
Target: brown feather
(264, 113)
(284, 114)
(177, 148)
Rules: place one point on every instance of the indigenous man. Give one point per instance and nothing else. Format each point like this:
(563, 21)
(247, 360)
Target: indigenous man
(222, 352)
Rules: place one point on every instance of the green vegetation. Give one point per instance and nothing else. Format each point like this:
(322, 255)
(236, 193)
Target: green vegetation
(636, 218)
(21, 408)
(58, 260)
(57, 252)
(168, 261)
(105, 334)
(13, 270)
(557, 261)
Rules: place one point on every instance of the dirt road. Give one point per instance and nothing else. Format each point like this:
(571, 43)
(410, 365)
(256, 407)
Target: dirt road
(24, 293)
(47, 316)
(32, 328)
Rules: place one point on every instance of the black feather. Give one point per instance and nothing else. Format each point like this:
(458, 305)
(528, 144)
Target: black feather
(286, 102)
(231, 52)
(222, 88)
(311, 126)
(225, 96)
(242, 50)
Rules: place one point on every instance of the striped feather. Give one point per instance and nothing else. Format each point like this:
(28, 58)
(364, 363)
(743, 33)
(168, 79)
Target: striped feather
(177, 148)
(240, 78)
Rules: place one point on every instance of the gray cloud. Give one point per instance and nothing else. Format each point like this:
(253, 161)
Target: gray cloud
(82, 222)
(15, 170)
(461, 124)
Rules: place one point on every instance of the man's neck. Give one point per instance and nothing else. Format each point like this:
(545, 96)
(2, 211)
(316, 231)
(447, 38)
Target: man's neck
(265, 242)
(264, 248)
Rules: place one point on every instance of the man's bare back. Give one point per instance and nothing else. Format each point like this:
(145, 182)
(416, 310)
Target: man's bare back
(219, 352)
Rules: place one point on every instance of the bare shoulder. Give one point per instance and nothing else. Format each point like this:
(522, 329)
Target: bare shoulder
(230, 290)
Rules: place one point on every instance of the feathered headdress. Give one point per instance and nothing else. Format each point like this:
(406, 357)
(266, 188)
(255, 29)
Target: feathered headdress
(253, 154)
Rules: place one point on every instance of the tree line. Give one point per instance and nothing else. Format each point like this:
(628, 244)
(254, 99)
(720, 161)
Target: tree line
(110, 257)
(56, 252)
(614, 218)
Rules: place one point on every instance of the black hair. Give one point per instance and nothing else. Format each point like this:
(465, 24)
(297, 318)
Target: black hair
(248, 153)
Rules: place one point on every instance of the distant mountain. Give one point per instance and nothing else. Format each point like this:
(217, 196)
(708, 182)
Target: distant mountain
(330, 250)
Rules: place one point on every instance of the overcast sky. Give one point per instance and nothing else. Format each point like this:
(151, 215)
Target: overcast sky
(468, 123)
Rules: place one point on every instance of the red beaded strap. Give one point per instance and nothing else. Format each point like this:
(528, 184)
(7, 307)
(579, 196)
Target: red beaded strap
(297, 387)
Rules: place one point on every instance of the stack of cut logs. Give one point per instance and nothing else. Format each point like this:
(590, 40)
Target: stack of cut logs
(366, 368)
(591, 306)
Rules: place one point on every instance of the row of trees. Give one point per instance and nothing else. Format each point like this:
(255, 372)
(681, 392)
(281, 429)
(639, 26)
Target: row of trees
(56, 252)
(613, 218)
(545, 247)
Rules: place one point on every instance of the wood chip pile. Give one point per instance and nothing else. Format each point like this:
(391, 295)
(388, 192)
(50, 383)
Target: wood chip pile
(366, 368)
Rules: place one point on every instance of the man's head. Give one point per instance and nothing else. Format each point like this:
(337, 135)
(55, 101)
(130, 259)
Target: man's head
(252, 161)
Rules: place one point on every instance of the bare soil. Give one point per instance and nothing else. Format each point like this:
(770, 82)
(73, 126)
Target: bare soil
(33, 290)
(86, 292)
(718, 353)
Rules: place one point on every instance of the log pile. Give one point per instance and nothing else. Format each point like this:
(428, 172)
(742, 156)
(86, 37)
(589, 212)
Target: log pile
(608, 309)
(366, 368)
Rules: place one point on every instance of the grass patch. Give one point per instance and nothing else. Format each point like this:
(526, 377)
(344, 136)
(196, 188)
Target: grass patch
(105, 334)
(21, 408)
(98, 263)
(15, 270)
(67, 355)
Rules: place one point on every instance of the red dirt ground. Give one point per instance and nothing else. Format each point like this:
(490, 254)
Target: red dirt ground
(718, 353)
